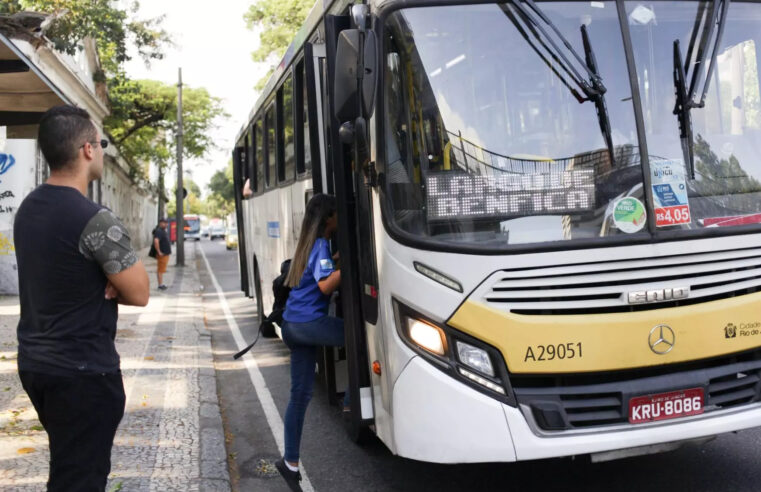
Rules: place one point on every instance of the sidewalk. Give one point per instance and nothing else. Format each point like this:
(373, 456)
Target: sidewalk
(171, 436)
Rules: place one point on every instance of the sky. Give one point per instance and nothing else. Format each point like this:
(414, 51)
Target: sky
(213, 47)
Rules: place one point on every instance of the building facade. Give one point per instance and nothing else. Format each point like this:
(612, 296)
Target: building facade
(33, 78)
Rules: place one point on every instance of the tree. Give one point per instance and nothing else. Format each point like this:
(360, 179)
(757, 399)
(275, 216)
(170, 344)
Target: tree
(193, 203)
(112, 27)
(143, 120)
(221, 184)
(279, 20)
(221, 200)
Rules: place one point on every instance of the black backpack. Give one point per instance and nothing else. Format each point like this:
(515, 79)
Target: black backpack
(281, 291)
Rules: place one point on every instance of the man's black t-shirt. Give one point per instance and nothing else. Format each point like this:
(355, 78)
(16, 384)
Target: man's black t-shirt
(164, 244)
(65, 245)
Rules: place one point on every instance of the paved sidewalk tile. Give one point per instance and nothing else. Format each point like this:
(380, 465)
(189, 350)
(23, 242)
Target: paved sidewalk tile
(171, 436)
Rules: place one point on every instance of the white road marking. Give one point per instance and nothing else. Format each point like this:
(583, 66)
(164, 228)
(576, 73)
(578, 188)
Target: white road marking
(260, 386)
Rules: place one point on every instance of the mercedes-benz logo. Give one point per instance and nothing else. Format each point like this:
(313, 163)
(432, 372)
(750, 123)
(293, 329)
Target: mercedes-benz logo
(661, 339)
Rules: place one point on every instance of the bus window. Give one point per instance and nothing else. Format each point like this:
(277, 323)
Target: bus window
(238, 155)
(245, 158)
(305, 164)
(269, 123)
(259, 142)
(288, 140)
(250, 159)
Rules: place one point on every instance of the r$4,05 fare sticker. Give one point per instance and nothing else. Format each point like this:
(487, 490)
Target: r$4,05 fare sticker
(670, 192)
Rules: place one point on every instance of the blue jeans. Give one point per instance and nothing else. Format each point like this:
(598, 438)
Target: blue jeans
(303, 339)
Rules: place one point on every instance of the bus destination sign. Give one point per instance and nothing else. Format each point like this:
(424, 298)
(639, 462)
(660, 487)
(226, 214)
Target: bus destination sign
(459, 195)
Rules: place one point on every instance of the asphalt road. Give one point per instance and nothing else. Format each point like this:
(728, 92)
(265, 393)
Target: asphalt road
(334, 463)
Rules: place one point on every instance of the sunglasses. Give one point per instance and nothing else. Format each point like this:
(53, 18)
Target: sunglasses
(103, 143)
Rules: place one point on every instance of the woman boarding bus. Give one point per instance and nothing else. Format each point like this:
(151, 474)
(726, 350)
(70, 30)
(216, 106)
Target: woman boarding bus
(306, 324)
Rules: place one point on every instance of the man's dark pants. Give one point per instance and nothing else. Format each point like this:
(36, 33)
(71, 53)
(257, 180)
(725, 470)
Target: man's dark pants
(80, 415)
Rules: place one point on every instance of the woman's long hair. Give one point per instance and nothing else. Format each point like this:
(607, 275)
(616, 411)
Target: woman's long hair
(319, 209)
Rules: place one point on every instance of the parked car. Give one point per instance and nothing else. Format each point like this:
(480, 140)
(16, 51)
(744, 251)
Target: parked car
(216, 230)
(231, 239)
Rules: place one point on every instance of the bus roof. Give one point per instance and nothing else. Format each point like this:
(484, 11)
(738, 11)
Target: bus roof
(311, 23)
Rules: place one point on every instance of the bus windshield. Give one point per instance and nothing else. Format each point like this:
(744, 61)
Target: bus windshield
(492, 139)
(192, 224)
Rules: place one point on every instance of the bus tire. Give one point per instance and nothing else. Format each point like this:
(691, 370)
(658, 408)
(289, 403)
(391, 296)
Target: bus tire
(359, 433)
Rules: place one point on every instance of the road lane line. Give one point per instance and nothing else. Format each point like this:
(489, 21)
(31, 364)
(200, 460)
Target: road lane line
(260, 385)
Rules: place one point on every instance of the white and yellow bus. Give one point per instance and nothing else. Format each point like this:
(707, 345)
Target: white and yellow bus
(550, 218)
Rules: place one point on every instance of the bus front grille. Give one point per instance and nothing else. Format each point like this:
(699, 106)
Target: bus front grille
(575, 402)
(607, 287)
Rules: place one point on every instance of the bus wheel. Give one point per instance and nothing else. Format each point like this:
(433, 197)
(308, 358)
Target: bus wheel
(359, 433)
(268, 330)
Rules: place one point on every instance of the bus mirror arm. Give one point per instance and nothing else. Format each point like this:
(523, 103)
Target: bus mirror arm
(356, 134)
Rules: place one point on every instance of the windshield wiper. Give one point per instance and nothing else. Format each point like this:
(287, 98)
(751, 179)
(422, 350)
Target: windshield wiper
(599, 99)
(593, 88)
(685, 98)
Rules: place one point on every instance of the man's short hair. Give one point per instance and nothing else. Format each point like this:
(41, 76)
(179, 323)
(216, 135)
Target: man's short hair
(63, 130)
(163, 219)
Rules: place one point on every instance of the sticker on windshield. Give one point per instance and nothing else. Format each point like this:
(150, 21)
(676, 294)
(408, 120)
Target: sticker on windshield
(670, 192)
(629, 215)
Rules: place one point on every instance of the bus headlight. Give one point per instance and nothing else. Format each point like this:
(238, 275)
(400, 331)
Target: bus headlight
(427, 336)
(462, 356)
(474, 357)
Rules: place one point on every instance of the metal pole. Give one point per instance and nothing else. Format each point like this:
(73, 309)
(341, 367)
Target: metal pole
(178, 197)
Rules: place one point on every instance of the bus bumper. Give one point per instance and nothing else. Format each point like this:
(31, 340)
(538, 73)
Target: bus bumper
(438, 419)
(530, 445)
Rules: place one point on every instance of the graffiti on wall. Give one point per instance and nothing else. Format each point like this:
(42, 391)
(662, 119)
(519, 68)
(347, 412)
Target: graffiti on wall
(17, 178)
(6, 246)
(6, 162)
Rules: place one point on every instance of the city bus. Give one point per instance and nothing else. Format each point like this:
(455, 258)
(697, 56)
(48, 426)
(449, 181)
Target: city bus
(549, 218)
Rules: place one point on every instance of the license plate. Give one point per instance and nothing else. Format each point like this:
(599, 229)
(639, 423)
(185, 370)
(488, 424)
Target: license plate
(665, 406)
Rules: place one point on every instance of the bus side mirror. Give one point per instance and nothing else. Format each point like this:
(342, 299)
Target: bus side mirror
(346, 82)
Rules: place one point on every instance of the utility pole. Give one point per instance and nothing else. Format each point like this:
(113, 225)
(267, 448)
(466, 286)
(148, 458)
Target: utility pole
(179, 198)
(161, 194)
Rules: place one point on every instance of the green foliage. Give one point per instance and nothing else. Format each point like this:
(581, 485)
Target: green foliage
(724, 180)
(143, 120)
(192, 204)
(112, 26)
(279, 20)
(10, 7)
(221, 184)
(221, 200)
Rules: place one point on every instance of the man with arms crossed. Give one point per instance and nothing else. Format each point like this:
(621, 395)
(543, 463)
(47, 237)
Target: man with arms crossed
(163, 249)
(75, 263)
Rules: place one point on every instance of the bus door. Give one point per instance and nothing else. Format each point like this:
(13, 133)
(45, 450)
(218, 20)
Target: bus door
(332, 361)
(354, 235)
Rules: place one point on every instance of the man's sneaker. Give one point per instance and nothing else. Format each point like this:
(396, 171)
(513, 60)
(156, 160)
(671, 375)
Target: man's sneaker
(292, 478)
(163, 287)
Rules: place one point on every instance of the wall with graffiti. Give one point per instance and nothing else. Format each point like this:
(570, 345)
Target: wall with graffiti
(18, 167)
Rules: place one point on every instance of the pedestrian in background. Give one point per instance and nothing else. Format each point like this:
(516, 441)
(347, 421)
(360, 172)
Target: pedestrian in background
(163, 248)
(75, 263)
(306, 323)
